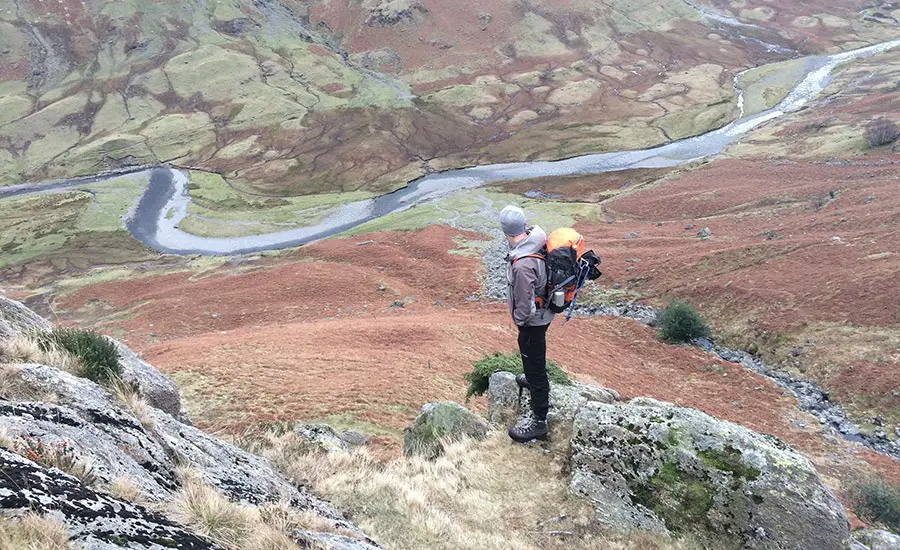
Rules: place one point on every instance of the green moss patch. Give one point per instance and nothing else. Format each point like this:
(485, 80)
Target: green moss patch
(680, 499)
(729, 460)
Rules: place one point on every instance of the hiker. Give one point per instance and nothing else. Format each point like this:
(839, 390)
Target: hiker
(526, 275)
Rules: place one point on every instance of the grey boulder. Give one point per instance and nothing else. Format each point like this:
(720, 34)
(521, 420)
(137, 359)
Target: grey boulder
(438, 423)
(648, 465)
(505, 406)
(153, 386)
(15, 319)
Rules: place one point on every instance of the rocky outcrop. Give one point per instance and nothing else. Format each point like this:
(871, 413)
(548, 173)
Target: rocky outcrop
(106, 437)
(15, 319)
(440, 422)
(146, 451)
(876, 539)
(505, 406)
(385, 13)
(153, 386)
(95, 520)
(654, 466)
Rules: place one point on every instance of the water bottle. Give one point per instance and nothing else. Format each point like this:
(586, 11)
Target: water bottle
(559, 298)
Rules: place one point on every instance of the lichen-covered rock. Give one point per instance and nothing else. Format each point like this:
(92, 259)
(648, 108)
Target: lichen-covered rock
(504, 405)
(15, 319)
(153, 386)
(94, 519)
(439, 422)
(876, 539)
(321, 437)
(654, 466)
(147, 452)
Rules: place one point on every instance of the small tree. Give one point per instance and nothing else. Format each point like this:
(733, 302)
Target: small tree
(680, 322)
(881, 131)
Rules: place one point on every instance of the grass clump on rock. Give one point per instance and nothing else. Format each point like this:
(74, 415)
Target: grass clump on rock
(33, 532)
(876, 500)
(97, 354)
(680, 323)
(483, 369)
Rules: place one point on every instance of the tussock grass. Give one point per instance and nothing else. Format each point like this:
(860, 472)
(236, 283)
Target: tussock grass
(680, 323)
(30, 349)
(33, 532)
(59, 455)
(877, 501)
(130, 398)
(97, 355)
(233, 525)
(14, 388)
(125, 489)
(479, 495)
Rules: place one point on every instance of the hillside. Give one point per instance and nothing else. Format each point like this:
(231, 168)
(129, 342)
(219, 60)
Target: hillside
(289, 208)
(294, 97)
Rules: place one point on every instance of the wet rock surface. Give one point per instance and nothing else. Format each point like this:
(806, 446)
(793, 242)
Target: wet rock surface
(654, 466)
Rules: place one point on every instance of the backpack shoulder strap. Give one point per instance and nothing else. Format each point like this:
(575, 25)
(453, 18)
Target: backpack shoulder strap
(538, 256)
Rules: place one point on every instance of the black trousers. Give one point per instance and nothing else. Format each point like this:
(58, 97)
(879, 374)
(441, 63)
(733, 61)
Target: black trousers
(533, 346)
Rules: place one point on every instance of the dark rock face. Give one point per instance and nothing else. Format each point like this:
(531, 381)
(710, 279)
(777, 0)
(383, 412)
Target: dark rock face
(654, 466)
(94, 519)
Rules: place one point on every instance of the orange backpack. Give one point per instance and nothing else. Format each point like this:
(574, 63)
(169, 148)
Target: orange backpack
(568, 269)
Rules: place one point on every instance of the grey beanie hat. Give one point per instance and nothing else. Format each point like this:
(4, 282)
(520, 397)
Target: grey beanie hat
(512, 220)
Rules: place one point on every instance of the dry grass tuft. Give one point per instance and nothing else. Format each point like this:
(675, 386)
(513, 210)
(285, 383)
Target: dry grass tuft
(124, 489)
(33, 532)
(489, 494)
(26, 349)
(14, 388)
(234, 525)
(127, 395)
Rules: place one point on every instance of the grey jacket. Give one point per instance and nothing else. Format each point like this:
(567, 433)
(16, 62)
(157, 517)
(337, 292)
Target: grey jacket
(526, 279)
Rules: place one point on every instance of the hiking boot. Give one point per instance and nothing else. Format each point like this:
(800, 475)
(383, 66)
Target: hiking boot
(522, 381)
(527, 430)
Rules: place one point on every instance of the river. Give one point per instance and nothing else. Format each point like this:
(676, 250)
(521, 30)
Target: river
(155, 221)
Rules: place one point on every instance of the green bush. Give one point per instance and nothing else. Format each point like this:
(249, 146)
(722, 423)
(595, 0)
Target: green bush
(680, 322)
(484, 368)
(98, 356)
(877, 501)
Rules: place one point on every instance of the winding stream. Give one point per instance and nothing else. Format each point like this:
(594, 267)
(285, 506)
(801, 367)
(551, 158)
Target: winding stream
(155, 221)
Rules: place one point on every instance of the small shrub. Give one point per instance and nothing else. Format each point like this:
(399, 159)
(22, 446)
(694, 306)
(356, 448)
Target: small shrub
(881, 131)
(484, 368)
(58, 455)
(875, 500)
(33, 532)
(98, 355)
(680, 322)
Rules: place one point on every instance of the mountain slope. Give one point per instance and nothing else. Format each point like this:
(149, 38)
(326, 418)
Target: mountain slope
(301, 97)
